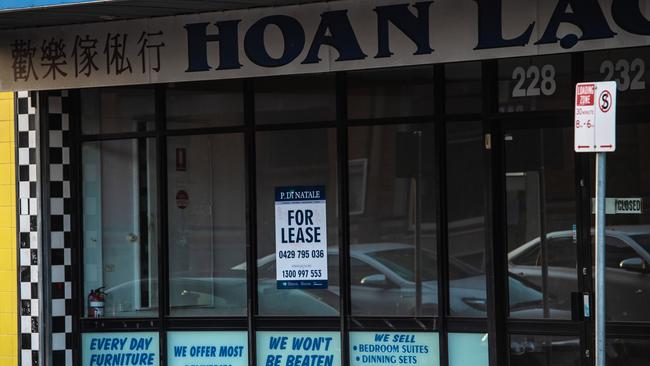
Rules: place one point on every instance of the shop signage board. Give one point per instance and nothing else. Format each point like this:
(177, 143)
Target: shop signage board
(595, 117)
(311, 38)
(128, 348)
(207, 348)
(394, 348)
(301, 237)
(298, 348)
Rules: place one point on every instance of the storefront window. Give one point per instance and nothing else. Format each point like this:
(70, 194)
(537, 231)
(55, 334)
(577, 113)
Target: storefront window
(627, 234)
(466, 214)
(392, 220)
(540, 203)
(627, 351)
(463, 88)
(206, 195)
(120, 221)
(544, 350)
(304, 98)
(115, 110)
(291, 161)
(390, 93)
(205, 104)
(460, 343)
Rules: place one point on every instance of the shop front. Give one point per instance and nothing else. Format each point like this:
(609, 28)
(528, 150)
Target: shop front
(340, 183)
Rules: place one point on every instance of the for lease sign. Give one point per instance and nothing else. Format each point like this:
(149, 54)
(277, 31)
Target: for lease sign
(301, 237)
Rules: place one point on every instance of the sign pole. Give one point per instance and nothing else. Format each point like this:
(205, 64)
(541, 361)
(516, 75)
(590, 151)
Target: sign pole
(595, 131)
(600, 258)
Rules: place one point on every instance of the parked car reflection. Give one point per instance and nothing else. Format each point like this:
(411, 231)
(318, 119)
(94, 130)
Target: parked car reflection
(223, 296)
(383, 283)
(627, 272)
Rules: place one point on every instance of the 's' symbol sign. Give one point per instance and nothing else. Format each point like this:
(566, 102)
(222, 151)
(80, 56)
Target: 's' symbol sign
(605, 101)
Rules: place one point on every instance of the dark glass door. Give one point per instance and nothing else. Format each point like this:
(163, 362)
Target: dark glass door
(541, 244)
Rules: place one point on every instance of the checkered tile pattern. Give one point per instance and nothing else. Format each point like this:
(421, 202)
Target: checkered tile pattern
(58, 130)
(28, 218)
(60, 216)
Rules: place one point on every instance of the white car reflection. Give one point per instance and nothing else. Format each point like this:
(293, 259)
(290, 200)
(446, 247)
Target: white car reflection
(382, 277)
(627, 270)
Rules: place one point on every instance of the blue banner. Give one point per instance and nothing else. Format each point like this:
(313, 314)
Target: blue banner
(298, 349)
(24, 4)
(207, 348)
(132, 348)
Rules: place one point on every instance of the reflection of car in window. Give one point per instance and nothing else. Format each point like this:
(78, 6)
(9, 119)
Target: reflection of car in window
(627, 277)
(382, 280)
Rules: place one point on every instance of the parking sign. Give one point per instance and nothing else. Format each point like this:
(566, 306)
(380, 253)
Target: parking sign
(595, 117)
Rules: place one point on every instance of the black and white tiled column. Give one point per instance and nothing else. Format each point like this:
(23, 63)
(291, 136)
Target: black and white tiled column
(57, 128)
(60, 230)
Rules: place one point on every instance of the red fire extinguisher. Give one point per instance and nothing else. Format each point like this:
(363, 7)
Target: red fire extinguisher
(96, 303)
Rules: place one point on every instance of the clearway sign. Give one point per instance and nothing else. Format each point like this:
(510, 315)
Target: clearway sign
(595, 117)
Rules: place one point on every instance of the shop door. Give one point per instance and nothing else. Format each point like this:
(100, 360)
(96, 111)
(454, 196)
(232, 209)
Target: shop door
(542, 246)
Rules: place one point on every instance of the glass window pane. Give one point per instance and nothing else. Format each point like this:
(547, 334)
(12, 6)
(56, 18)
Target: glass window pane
(627, 67)
(463, 88)
(466, 214)
(535, 83)
(627, 235)
(628, 352)
(526, 350)
(115, 110)
(390, 93)
(205, 104)
(207, 225)
(301, 98)
(311, 161)
(540, 205)
(392, 220)
(460, 343)
(120, 221)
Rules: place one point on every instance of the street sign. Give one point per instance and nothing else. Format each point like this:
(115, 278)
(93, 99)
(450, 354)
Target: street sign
(595, 117)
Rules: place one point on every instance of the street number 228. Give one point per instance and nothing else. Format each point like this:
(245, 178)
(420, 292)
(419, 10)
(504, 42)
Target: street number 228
(538, 81)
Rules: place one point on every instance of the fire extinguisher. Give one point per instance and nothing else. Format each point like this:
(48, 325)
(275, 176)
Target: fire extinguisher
(96, 303)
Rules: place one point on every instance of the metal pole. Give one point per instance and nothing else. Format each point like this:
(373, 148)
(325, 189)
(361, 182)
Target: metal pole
(600, 259)
(418, 228)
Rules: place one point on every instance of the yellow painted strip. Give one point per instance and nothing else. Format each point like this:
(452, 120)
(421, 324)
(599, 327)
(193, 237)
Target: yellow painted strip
(8, 246)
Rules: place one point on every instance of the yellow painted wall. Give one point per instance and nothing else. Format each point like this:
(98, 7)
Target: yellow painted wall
(8, 246)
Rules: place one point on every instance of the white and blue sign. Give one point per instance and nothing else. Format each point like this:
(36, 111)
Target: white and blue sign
(301, 237)
(132, 348)
(394, 348)
(207, 348)
(298, 349)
